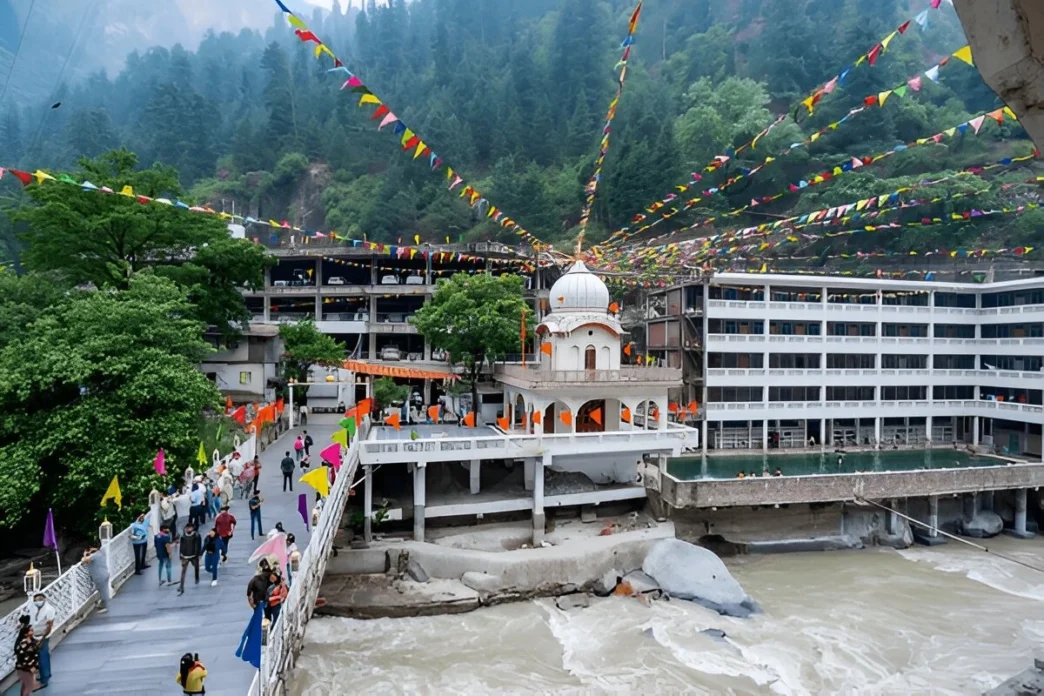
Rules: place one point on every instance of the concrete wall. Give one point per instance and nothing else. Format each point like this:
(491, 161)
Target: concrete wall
(876, 486)
(567, 352)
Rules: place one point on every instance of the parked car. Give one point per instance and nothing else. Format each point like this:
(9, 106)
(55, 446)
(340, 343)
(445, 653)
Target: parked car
(280, 283)
(415, 280)
(336, 280)
(394, 318)
(390, 280)
(391, 353)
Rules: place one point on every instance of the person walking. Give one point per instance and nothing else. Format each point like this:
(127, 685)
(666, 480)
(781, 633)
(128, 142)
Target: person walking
(298, 448)
(26, 654)
(293, 556)
(287, 467)
(97, 562)
(212, 554)
(255, 513)
(257, 588)
(41, 618)
(191, 549)
(169, 516)
(191, 674)
(162, 542)
(308, 442)
(257, 472)
(139, 534)
(225, 524)
(195, 505)
(277, 593)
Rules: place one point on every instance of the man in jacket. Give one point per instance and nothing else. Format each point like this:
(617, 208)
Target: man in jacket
(191, 549)
(287, 467)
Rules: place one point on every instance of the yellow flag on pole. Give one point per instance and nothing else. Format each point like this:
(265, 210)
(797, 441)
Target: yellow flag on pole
(113, 493)
(201, 457)
(340, 437)
(318, 479)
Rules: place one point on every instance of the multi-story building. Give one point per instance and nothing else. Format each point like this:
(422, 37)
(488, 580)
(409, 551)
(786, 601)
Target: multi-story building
(784, 361)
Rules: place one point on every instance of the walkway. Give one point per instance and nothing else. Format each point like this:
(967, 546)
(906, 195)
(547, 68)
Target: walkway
(135, 648)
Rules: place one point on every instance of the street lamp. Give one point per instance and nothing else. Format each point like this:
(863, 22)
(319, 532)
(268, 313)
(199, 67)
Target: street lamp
(105, 531)
(33, 581)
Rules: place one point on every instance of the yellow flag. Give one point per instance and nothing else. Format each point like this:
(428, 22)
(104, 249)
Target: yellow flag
(420, 149)
(1010, 114)
(416, 239)
(201, 457)
(447, 239)
(127, 191)
(341, 437)
(113, 493)
(883, 97)
(964, 54)
(42, 176)
(368, 99)
(293, 19)
(318, 479)
(887, 40)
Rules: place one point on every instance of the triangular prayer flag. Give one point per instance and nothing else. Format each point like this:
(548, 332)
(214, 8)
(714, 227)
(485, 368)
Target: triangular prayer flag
(545, 348)
(566, 417)
(976, 123)
(390, 118)
(302, 510)
(368, 99)
(50, 539)
(393, 420)
(350, 429)
(469, 419)
(932, 73)
(42, 176)
(903, 27)
(873, 54)
(997, 115)
(887, 40)
(503, 422)
(964, 54)
(201, 456)
(318, 479)
(160, 463)
(433, 413)
(25, 177)
(113, 493)
(331, 454)
(900, 91)
(340, 437)
(596, 416)
(407, 136)
(625, 415)
(915, 83)
(249, 649)
(883, 96)
(127, 191)
(922, 18)
(1009, 113)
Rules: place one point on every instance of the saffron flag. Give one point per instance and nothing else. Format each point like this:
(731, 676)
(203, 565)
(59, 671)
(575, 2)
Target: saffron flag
(433, 413)
(469, 420)
(160, 464)
(503, 422)
(566, 417)
(113, 493)
(249, 649)
(318, 479)
(537, 417)
(596, 416)
(625, 415)
(393, 420)
(545, 348)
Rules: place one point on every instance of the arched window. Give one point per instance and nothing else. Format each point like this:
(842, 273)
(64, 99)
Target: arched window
(590, 358)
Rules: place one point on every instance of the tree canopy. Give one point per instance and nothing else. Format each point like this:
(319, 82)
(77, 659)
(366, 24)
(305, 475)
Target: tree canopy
(91, 387)
(304, 346)
(475, 318)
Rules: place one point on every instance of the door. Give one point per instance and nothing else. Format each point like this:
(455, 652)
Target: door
(590, 358)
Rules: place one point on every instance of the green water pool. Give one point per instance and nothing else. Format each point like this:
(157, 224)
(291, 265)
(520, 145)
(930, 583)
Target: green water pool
(729, 466)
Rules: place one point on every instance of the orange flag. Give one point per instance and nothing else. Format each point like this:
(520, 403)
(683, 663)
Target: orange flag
(503, 422)
(469, 420)
(627, 350)
(525, 420)
(672, 407)
(693, 407)
(596, 416)
(433, 413)
(655, 415)
(625, 416)
(393, 421)
(566, 417)
(545, 348)
(537, 417)
(228, 404)
(614, 308)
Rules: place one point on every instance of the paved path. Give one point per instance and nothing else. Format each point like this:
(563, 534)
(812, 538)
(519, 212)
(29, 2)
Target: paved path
(135, 648)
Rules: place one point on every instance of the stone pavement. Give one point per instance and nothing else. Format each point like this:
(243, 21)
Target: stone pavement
(135, 648)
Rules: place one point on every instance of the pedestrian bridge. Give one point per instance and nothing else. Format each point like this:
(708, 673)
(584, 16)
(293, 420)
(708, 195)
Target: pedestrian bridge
(136, 646)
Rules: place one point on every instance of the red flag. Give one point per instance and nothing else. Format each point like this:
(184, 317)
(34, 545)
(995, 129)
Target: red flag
(25, 177)
(904, 26)
(874, 54)
(307, 36)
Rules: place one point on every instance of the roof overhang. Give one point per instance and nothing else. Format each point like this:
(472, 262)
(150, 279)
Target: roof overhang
(380, 370)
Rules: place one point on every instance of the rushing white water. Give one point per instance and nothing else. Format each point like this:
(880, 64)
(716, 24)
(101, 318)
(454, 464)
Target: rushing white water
(948, 620)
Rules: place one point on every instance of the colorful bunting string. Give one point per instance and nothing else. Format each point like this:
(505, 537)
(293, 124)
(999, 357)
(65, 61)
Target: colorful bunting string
(592, 185)
(410, 141)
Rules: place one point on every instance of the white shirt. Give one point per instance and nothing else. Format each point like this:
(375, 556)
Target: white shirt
(40, 616)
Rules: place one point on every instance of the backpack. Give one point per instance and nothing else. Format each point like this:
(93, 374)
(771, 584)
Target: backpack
(299, 444)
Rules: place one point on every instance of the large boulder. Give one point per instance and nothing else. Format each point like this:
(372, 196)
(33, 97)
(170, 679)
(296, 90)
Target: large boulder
(641, 582)
(691, 572)
(982, 525)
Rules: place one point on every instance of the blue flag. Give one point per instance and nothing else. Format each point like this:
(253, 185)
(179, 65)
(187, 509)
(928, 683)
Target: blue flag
(249, 649)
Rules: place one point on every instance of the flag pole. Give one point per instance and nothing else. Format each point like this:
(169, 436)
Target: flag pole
(58, 558)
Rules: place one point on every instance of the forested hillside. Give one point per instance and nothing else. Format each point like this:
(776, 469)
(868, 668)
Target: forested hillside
(513, 96)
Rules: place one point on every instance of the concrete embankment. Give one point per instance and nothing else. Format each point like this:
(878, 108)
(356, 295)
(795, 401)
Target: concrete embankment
(382, 581)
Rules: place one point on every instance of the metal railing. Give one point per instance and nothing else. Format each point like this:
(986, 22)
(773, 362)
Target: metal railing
(74, 595)
(286, 635)
(536, 373)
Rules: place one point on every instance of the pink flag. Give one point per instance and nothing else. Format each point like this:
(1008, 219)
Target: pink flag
(390, 118)
(160, 463)
(915, 83)
(976, 123)
(332, 454)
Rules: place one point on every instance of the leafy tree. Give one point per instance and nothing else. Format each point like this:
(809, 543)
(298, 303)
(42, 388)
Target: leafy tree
(387, 393)
(474, 318)
(104, 240)
(90, 390)
(303, 347)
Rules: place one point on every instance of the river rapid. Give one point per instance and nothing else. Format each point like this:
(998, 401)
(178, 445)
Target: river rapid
(948, 620)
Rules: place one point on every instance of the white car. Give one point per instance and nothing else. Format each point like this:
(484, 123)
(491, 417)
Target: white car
(391, 353)
(390, 280)
(336, 280)
(415, 280)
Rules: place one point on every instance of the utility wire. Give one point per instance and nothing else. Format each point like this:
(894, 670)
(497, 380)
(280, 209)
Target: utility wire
(18, 49)
(930, 528)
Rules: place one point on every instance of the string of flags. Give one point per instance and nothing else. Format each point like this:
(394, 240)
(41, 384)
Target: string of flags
(592, 185)
(667, 211)
(409, 140)
(852, 164)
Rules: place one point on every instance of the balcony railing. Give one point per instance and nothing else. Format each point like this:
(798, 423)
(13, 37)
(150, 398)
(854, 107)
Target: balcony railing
(538, 373)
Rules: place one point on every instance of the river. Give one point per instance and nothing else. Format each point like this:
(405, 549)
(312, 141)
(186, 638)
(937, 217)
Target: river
(948, 620)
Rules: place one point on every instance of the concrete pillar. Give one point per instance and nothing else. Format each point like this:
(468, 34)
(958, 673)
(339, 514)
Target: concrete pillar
(877, 431)
(367, 504)
(859, 433)
(822, 433)
(427, 352)
(1020, 513)
(420, 473)
(528, 466)
(928, 429)
(267, 310)
(893, 518)
(474, 469)
(987, 501)
(975, 430)
(426, 394)
(538, 499)
(750, 433)
(703, 436)
(933, 516)
(764, 435)
(969, 502)
(319, 272)
(318, 308)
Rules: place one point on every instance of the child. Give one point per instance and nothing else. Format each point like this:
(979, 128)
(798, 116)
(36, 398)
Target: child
(191, 674)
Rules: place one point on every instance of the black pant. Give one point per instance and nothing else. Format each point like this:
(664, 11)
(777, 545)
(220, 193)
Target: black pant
(184, 569)
(224, 549)
(288, 480)
(140, 552)
(196, 516)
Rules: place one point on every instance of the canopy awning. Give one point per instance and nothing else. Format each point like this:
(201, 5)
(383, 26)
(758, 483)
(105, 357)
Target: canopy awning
(365, 368)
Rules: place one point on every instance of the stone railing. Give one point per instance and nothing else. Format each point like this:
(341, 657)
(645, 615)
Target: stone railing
(286, 636)
(74, 594)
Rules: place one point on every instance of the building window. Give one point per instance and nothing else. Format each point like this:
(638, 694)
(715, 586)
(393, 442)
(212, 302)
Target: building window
(244, 378)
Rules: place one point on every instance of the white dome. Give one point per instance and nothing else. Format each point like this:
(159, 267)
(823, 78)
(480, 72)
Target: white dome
(579, 290)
